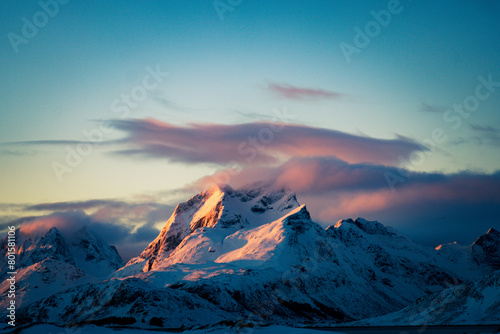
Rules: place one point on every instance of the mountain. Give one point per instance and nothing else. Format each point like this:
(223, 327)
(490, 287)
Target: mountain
(475, 302)
(92, 254)
(222, 209)
(486, 249)
(473, 261)
(387, 262)
(48, 262)
(256, 254)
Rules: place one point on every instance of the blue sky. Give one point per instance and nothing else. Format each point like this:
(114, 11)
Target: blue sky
(263, 56)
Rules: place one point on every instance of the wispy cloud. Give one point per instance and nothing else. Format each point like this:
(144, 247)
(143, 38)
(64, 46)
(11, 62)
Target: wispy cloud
(487, 134)
(485, 129)
(17, 153)
(255, 116)
(47, 142)
(160, 99)
(111, 210)
(77, 205)
(255, 143)
(287, 91)
(431, 109)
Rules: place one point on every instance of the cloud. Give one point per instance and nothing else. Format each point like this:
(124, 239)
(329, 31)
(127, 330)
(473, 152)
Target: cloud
(112, 210)
(47, 142)
(320, 175)
(15, 221)
(129, 226)
(418, 213)
(309, 175)
(68, 222)
(300, 93)
(431, 109)
(12, 206)
(128, 240)
(486, 134)
(146, 232)
(457, 207)
(484, 129)
(77, 205)
(159, 98)
(254, 143)
(17, 153)
(255, 116)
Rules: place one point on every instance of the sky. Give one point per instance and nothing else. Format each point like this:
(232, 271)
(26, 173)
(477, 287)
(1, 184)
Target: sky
(113, 112)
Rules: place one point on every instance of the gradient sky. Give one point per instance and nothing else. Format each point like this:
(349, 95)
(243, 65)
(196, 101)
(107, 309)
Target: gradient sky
(348, 119)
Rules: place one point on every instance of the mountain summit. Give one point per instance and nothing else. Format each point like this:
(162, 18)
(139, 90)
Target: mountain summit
(221, 208)
(49, 262)
(486, 249)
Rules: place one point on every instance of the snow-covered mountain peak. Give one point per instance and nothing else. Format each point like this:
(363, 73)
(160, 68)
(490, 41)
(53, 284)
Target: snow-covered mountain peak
(494, 232)
(222, 208)
(487, 248)
(49, 261)
(488, 240)
(365, 226)
(274, 244)
(474, 260)
(92, 254)
(83, 249)
(299, 219)
(36, 247)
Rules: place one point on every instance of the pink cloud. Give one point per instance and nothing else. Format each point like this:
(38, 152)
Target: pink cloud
(455, 199)
(300, 93)
(43, 225)
(308, 175)
(254, 143)
(448, 205)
